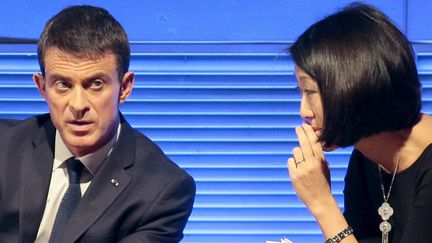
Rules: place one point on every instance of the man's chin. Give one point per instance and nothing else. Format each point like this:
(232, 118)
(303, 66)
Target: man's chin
(79, 143)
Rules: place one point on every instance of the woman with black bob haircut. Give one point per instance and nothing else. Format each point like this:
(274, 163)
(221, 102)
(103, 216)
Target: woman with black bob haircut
(359, 84)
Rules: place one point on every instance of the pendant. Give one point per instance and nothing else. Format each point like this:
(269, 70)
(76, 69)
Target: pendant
(385, 228)
(385, 211)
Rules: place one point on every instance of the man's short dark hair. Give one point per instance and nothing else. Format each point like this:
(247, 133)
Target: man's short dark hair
(85, 31)
(366, 74)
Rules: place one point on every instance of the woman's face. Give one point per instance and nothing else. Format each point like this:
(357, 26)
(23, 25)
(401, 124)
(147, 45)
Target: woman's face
(311, 109)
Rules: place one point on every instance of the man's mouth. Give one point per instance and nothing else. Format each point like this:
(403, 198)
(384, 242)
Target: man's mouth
(80, 126)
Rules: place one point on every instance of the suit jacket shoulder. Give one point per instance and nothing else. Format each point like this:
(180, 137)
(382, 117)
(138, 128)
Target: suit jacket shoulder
(137, 195)
(25, 168)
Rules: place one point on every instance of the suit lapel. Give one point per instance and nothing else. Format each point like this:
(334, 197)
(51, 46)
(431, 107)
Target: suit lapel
(110, 180)
(36, 165)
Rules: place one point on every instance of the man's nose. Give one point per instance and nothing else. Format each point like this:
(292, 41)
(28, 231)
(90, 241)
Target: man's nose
(78, 103)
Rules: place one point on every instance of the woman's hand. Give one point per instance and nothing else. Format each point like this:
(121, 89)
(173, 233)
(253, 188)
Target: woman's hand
(309, 171)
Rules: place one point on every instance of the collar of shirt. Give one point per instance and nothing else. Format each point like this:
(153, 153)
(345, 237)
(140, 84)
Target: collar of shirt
(92, 161)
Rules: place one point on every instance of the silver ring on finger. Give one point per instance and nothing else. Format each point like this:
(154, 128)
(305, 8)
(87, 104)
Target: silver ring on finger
(297, 162)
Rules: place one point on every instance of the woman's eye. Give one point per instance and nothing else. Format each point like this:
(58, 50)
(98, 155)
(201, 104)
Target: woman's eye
(309, 91)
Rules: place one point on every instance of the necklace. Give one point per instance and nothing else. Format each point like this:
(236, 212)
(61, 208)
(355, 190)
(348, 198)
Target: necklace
(386, 211)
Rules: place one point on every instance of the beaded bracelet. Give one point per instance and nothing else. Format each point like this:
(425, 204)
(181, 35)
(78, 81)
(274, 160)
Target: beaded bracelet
(341, 235)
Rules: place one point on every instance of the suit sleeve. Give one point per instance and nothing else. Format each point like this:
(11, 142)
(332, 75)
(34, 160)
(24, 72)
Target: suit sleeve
(168, 214)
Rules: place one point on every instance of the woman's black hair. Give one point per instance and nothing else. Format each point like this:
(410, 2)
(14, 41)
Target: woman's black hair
(366, 73)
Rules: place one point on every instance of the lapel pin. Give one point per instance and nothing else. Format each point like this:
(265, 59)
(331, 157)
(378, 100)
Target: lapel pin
(114, 182)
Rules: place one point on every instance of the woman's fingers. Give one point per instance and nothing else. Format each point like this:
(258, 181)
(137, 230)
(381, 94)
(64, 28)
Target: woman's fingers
(316, 146)
(291, 166)
(309, 144)
(298, 156)
(308, 169)
(305, 145)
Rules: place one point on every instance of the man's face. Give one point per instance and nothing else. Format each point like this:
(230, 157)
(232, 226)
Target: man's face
(83, 96)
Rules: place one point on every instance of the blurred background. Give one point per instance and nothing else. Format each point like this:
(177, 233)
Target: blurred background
(215, 89)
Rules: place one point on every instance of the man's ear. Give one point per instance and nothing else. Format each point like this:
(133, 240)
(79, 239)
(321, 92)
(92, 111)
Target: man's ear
(126, 86)
(40, 83)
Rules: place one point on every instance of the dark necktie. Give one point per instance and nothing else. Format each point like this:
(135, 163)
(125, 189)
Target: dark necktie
(70, 199)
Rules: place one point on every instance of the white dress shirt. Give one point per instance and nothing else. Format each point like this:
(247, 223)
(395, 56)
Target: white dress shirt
(60, 181)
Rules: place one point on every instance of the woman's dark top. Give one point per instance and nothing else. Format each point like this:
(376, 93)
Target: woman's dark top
(411, 199)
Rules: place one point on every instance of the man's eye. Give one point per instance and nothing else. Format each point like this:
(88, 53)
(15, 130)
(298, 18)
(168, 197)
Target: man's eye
(96, 84)
(61, 85)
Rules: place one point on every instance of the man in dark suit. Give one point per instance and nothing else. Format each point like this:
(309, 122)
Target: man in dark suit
(128, 190)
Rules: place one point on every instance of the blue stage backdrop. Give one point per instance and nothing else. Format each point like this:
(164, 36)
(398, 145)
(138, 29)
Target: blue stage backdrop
(215, 89)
